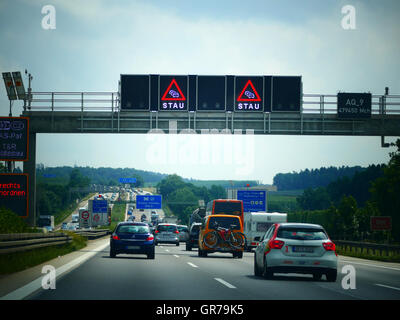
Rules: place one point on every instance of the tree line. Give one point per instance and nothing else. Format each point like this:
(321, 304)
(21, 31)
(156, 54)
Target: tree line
(312, 178)
(101, 176)
(53, 198)
(182, 198)
(345, 206)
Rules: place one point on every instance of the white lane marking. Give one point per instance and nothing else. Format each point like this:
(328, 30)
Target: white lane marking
(167, 250)
(191, 264)
(31, 287)
(369, 265)
(225, 283)
(382, 285)
(176, 256)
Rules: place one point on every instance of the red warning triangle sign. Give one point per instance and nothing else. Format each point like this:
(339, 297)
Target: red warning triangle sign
(249, 94)
(173, 93)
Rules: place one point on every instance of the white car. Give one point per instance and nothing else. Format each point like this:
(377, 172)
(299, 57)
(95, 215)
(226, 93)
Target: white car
(296, 248)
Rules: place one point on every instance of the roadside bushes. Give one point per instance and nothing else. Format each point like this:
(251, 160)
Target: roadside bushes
(12, 223)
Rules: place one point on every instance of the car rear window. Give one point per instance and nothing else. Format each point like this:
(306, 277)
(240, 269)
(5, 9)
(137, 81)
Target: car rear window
(228, 207)
(183, 229)
(133, 229)
(224, 222)
(301, 234)
(166, 228)
(263, 226)
(195, 229)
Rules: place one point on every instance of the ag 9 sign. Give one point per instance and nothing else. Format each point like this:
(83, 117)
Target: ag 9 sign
(354, 105)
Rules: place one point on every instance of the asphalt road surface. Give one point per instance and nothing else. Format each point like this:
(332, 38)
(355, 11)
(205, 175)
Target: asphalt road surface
(176, 274)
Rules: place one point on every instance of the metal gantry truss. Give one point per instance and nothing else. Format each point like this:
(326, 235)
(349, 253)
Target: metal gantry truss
(99, 112)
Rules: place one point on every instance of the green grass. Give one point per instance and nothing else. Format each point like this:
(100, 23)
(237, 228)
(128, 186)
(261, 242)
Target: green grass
(281, 203)
(64, 214)
(14, 262)
(117, 214)
(368, 254)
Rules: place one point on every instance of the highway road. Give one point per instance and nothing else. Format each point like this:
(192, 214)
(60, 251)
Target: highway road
(176, 274)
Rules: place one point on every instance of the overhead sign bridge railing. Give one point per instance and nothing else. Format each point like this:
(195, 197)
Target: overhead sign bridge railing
(110, 102)
(361, 114)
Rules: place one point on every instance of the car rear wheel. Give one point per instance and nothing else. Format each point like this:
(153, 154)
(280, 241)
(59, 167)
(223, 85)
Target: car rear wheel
(202, 253)
(188, 247)
(112, 254)
(177, 244)
(151, 255)
(267, 273)
(257, 271)
(317, 276)
(331, 276)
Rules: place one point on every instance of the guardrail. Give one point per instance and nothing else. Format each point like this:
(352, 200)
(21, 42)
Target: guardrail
(93, 233)
(17, 242)
(382, 249)
(109, 102)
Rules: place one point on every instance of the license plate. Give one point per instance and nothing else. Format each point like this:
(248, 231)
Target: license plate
(303, 249)
(133, 247)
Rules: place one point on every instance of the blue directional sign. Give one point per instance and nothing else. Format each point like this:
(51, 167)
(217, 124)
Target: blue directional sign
(127, 180)
(100, 206)
(253, 200)
(148, 202)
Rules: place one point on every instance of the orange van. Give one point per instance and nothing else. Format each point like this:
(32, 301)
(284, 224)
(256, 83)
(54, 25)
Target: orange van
(221, 233)
(225, 206)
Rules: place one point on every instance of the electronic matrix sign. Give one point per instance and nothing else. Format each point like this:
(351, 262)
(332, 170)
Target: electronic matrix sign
(14, 193)
(174, 93)
(14, 138)
(354, 105)
(249, 93)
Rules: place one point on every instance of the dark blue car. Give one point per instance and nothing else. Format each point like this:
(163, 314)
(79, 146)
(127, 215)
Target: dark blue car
(132, 238)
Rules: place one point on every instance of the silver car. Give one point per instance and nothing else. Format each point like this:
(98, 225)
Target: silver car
(167, 233)
(296, 248)
(183, 233)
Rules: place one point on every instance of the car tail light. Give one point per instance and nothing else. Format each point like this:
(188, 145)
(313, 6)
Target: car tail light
(149, 238)
(176, 231)
(156, 231)
(115, 237)
(276, 244)
(329, 246)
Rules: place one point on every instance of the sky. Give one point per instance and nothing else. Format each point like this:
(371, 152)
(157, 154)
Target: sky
(95, 41)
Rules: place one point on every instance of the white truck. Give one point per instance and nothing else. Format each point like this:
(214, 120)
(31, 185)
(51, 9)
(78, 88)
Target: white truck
(75, 217)
(46, 221)
(257, 223)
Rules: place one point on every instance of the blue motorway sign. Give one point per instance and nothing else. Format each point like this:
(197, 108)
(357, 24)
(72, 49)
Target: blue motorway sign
(253, 200)
(99, 206)
(127, 180)
(148, 202)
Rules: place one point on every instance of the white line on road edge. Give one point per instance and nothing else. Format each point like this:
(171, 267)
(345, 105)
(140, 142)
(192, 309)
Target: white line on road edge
(176, 256)
(31, 287)
(193, 265)
(369, 265)
(382, 285)
(225, 283)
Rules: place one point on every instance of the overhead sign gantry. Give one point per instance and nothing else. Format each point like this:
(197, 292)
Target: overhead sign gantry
(210, 93)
